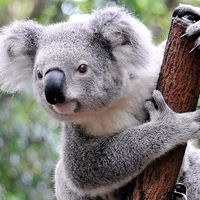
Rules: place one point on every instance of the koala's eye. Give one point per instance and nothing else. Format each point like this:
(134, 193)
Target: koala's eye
(39, 75)
(82, 68)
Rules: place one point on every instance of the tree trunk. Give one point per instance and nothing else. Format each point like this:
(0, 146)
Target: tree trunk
(39, 6)
(179, 83)
(171, 4)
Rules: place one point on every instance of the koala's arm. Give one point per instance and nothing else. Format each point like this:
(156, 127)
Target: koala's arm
(96, 165)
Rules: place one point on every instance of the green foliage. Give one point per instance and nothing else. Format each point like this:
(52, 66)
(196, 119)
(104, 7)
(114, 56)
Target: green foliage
(28, 137)
(28, 153)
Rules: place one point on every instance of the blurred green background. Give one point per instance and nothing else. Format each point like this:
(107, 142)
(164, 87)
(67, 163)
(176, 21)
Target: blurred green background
(29, 139)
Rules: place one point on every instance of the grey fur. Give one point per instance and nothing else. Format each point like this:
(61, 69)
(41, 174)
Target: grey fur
(105, 140)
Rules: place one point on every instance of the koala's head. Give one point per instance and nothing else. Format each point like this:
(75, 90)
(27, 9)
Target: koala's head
(75, 67)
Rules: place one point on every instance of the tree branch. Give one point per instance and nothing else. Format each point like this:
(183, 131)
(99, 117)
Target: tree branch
(180, 84)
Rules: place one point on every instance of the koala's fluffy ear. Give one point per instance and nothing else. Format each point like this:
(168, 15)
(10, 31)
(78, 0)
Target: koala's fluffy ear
(18, 46)
(127, 37)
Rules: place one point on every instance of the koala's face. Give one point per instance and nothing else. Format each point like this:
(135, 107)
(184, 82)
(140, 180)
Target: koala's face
(76, 67)
(74, 72)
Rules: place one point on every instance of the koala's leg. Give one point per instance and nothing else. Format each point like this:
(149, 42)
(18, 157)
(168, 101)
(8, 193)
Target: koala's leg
(190, 172)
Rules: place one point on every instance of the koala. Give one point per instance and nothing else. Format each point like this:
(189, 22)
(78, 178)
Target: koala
(96, 76)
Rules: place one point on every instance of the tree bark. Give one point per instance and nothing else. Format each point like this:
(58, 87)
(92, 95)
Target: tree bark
(171, 4)
(39, 6)
(179, 83)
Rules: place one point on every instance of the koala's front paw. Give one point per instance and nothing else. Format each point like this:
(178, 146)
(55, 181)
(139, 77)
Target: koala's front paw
(159, 109)
(184, 126)
(193, 14)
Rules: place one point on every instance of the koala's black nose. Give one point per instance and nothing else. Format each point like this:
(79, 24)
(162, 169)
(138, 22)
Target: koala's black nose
(54, 83)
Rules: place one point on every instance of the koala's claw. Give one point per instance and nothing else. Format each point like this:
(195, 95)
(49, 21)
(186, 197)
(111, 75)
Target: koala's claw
(196, 46)
(193, 29)
(184, 35)
(179, 193)
(192, 14)
(156, 106)
(159, 100)
(150, 107)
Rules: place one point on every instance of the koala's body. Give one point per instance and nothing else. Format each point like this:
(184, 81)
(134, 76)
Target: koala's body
(95, 76)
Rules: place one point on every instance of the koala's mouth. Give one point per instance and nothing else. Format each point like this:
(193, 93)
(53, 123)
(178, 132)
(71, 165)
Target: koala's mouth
(66, 108)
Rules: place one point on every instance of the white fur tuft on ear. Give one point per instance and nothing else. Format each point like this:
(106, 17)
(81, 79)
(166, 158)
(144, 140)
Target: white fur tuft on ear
(18, 45)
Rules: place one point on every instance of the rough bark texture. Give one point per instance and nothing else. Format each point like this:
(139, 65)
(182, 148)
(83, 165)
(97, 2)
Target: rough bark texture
(179, 82)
